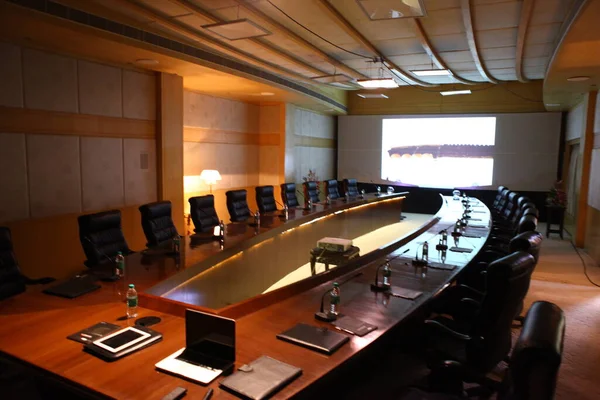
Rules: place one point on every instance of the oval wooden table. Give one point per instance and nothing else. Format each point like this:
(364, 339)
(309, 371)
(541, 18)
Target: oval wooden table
(33, 326)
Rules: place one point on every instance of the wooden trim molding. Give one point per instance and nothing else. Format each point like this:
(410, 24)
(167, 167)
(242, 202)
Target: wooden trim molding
(21, 120)
(472, 41)
(309, 141)
(526, 10)
(586, 161)
(222, 136)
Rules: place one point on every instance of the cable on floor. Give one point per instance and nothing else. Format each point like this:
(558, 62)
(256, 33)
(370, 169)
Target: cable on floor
(584, 264)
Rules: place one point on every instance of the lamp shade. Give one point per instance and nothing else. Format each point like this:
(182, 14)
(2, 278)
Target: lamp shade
(210, 176)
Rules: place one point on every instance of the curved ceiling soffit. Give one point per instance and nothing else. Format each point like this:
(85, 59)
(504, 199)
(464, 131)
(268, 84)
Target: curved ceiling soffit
(465, 6)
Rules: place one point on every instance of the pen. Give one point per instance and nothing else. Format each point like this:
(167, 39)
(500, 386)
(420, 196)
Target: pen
(344, 330)
(208, 394)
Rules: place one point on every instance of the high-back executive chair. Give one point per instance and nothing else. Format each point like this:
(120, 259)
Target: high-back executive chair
(482, 341)
(12, 282)
(101, 237)
(203, 213)
(331, 189)
(288, 195)
(265, 199)
(311, 191)
(157, 222)
(351, 187)
(237, 205)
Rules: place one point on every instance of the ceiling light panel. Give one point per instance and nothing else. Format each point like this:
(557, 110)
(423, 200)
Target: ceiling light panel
(384, 83)
(372, 95)
(238, 29)
(392, 9)
(337, 78)
(455, 92)
(430, 72)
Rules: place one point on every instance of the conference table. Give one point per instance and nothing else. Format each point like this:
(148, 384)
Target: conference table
(34, 326)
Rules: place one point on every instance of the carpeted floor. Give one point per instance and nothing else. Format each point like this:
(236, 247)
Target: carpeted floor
(559, 278)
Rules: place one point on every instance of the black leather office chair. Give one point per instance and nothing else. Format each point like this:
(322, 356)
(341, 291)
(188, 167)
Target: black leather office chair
(498, 197)
(203, 213)
(157, 222)
(288, 195)
(331, 189)
(101, 237)
(237, 205)
(12, 281)
(501, 203)
(501, 239)
(351, 187)
(532, 370)
(265, 199)
(481, 335)
(311, 191)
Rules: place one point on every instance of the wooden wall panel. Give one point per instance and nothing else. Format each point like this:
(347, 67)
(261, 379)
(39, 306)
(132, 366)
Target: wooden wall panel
(11, 79)
(14, 200)
(170, 144)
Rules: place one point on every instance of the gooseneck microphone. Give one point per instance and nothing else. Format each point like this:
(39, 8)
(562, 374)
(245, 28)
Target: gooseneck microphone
(321, 315)
(375, 286)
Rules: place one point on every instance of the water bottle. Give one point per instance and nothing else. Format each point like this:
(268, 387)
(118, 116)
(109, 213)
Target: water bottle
(347, 197)
(119, 265)
(221, 230)
(257, 218)
(362, 194)
(328, 200)
(132, 301)
(456, 194)
(286, 211)
(425, 252)
(444, 237)
(309, 204)
(387, 273)
(378, 190)
(334, 299)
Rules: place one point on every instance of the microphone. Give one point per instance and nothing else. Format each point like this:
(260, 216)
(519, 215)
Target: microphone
(321, 315)
(376, 287)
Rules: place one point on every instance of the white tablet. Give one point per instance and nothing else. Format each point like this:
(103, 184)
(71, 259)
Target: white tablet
(121, 339)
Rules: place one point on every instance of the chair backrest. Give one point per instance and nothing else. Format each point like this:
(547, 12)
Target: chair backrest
(529, 242)
(523, 208)
(498, 197)
(11, 281)
(311, 191)
(351, 187)
(237, 205)
(157, 222)
(507, 283)
(203, 213)
(331, 189)
(503, 201)
(101, 236)
(511, 206)
(526, 223)
(288, 195)
(265, 199)
(536, 357)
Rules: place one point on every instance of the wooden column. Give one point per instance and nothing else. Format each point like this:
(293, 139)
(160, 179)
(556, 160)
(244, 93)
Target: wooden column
(588, 145)
(170, 144)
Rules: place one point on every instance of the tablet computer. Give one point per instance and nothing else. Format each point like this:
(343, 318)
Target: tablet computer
(121, 339)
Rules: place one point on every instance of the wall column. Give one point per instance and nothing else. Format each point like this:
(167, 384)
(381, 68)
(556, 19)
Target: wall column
(588, 144)
(170, 144)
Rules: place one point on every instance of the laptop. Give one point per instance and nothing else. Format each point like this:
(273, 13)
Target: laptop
(74, 287)
(209, 348)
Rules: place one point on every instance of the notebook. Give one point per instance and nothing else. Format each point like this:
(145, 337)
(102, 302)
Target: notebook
(74, 287)
(315, 338)
(404, 293)
(261, 378)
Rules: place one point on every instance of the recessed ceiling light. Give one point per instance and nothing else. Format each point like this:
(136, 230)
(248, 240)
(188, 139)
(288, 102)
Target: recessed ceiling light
(383, 83)
(578, 78)
(392, 9)
(454, 92)
(431, 72)
(146, 61)
(238, 29)
(372, 95)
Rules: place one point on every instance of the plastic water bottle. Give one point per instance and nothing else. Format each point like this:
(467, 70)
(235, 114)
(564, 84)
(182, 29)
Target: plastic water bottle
(347, 197)
(328, 200)
(334, 299)
(221, 230)
(387, 273)
(132, 301)
(285, 212)
(257, 218)
(119, 265)
(425, 252)
(176, 244)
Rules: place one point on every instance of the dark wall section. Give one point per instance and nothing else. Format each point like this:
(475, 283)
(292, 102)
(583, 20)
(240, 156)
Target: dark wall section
(427, 201)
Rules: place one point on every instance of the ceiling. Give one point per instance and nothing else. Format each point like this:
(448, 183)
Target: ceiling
(577, 55)
(479, 41)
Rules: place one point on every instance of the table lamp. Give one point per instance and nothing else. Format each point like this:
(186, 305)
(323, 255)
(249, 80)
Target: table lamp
(210, 176)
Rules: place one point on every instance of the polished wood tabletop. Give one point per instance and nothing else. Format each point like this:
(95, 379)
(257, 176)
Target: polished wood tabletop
(34, 327)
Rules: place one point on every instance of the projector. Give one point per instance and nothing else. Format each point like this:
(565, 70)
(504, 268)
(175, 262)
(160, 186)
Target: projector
(334, 244)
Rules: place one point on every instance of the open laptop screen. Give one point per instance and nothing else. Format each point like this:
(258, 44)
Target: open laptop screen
(209, 336)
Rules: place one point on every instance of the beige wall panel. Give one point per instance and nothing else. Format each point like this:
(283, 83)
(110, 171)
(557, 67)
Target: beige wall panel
(575, 120)
(139, 95)
(139, 157)
(14, 200)
(269, 119)
(213, 112)
(99, 89)
(50, 81)
(268, 165)
(54, 175)
(102, 173)
(11, 77)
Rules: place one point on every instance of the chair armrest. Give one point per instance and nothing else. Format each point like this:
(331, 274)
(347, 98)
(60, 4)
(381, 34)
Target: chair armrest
(474, 292)
(438, 327)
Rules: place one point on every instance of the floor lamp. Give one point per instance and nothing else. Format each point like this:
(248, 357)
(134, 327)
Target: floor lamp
(210, 176)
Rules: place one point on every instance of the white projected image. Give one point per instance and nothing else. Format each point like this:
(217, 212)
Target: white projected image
(438, 152)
